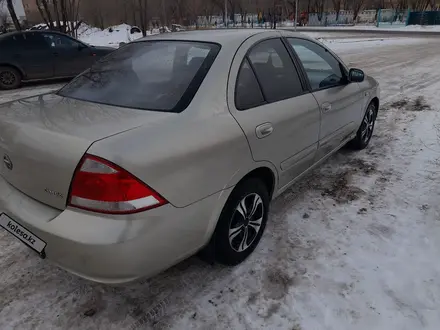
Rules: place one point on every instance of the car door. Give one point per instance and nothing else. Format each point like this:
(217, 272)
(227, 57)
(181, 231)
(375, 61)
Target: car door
(30, 53)
(268, 99)
(339, 100)
(71, 56)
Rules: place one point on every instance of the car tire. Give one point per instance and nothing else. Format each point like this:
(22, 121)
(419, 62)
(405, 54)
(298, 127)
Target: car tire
(244, 215)
(10, 78)
(365, 131)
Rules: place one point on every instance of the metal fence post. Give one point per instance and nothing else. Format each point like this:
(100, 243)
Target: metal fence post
(296, 13)
(407, 16)
(378, 17)
(226, 14)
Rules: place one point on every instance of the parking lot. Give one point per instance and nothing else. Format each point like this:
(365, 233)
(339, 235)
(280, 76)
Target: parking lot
(353, 246)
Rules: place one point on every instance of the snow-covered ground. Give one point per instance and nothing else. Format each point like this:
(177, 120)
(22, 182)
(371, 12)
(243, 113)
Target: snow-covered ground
(382, 27)
(392, 27)
(97, 37)
(354, 246)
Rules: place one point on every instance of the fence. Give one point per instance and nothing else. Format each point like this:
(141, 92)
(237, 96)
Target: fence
(380, 18)
(424, 18)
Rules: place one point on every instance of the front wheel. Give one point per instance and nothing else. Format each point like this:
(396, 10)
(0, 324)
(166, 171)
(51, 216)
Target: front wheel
(365, 131)
(242, 222)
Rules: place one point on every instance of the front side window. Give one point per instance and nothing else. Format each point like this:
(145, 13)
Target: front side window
(322, 68)
(275, 70)
(150, 75)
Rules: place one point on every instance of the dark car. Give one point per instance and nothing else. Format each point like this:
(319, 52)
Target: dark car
(41, 55)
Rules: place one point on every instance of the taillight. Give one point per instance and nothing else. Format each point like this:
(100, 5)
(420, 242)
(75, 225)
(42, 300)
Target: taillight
(101, 186)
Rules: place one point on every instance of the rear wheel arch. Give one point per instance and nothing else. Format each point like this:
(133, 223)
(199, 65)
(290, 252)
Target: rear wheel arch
(265, 174)
(11, 77)
(8, 65)
(375, 101)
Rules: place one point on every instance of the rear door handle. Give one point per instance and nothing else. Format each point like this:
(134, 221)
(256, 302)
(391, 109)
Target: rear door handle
(263, 130)
(326, 107)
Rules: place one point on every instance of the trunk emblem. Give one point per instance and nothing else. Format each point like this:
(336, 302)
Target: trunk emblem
(8, 162)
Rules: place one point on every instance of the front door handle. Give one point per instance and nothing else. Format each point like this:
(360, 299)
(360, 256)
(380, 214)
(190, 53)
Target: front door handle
(264, 130)
(326, 107)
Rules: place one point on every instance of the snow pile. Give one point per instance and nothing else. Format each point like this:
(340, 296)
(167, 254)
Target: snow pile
(111, 36)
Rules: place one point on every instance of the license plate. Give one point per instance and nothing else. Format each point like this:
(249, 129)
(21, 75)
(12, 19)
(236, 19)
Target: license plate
(22, 234)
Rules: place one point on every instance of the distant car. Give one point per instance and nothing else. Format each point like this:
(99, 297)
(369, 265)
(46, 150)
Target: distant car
(177, 28)
(41, 55)
(174, 143)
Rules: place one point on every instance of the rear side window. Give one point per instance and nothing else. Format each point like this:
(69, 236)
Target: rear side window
(14, 42)
(248, 93)
(34, 41)
(275, 71)
(59, 41)
(151, 75)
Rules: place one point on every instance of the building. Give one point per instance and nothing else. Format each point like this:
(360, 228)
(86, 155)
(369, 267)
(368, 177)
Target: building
(30, 7)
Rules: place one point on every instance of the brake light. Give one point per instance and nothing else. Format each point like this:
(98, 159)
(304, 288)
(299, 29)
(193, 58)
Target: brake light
(101, 186)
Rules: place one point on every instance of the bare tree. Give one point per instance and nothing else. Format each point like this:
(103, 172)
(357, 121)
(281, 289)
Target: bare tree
(337, 8)
(46, 15)
(356, 6)
(318, 7)
(143, 7)
(66, 15)
(13, 15)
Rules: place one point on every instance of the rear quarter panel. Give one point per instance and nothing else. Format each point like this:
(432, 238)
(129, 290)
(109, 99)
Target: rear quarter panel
(185, 159)
(192, 154)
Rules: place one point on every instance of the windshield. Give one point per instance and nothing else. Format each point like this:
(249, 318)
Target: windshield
(153, 75)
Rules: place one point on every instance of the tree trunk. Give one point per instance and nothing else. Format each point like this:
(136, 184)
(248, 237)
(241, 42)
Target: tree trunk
(48, 14)
(13, 15)
(57, 16)
(63, 10)
(143, 16)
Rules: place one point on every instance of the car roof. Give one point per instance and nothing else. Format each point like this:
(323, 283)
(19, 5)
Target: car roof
(221, 36)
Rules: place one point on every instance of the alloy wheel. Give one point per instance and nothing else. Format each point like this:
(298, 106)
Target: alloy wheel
(368, 124)
(246, 222)
(7, 78)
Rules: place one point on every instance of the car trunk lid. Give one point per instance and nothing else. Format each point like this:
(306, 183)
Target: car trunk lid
(43, 138)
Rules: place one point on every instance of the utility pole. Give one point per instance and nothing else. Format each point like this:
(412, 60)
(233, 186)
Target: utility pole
(226, 13)
(165, 23)
(296, 13)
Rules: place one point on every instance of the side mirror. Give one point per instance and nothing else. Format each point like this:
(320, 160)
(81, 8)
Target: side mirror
(356, 75)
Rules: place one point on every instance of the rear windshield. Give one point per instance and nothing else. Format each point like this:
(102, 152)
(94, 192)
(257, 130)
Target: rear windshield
(152, 75)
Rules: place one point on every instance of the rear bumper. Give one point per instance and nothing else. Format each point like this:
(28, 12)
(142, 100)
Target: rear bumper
(115, 249)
